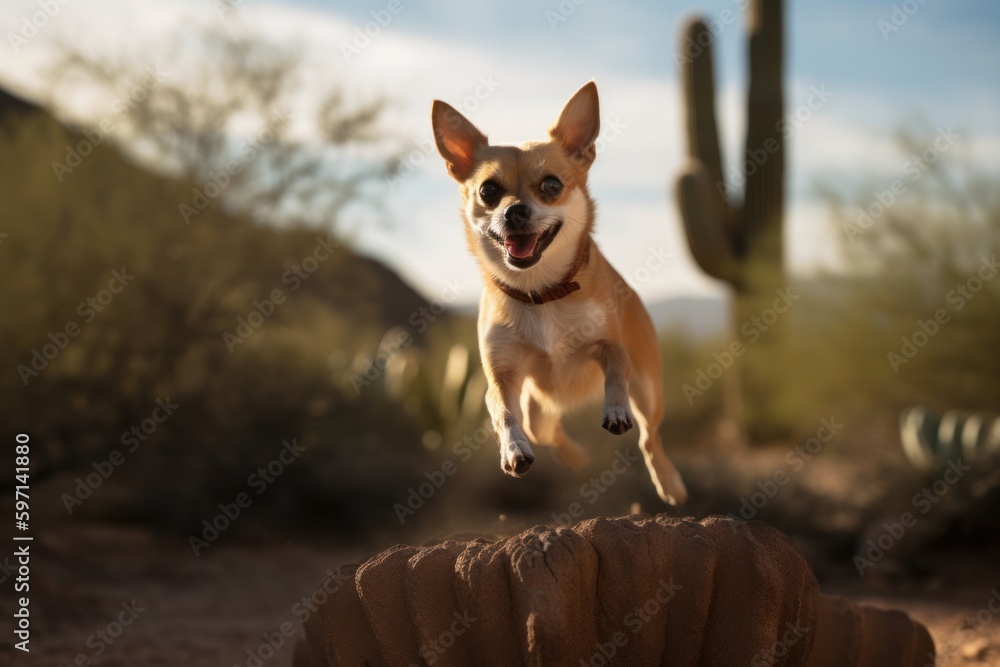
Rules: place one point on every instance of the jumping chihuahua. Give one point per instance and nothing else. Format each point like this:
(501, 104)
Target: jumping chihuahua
(555, 317)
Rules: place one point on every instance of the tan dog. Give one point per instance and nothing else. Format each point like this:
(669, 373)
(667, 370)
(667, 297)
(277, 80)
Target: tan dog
(555, 317)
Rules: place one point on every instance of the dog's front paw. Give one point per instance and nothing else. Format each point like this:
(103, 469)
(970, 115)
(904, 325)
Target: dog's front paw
(515, 454)
(617, 419)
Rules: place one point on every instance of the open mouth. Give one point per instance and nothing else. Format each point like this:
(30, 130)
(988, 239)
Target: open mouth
(524, 250)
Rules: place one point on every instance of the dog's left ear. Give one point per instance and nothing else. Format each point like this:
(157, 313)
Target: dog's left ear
(579, 124)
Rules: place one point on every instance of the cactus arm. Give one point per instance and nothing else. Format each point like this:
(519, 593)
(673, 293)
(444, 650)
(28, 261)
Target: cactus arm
(699, 97)
(702, 217)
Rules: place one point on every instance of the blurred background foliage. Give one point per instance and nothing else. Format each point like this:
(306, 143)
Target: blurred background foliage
(299, 375)
(936, 248)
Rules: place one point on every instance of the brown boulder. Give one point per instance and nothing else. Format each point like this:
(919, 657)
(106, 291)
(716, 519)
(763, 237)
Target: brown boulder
(636, 590)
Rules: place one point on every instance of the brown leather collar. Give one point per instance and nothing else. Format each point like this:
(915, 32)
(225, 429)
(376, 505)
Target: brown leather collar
(564, 288)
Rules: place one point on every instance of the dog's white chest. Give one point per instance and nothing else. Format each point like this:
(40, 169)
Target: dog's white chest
(558, 326)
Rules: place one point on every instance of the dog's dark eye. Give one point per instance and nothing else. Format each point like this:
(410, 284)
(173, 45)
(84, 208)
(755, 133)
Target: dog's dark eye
(551, 186)
(490, 192)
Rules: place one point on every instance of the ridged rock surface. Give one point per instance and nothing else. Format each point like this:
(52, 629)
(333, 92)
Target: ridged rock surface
(637, 590)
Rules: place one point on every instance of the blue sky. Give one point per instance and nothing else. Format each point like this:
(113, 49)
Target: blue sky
(941, 68)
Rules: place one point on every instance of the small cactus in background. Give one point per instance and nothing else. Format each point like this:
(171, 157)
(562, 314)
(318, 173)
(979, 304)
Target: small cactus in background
(740, 243)
(444, 398)
(930, 441)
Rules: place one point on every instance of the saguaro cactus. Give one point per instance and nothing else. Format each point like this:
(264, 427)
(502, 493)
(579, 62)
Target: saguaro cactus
(740, 242)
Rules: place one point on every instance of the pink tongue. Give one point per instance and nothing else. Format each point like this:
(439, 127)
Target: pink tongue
(521, 246)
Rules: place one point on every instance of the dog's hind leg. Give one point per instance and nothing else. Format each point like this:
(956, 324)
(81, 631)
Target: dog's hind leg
(545, 428)
(647, 404)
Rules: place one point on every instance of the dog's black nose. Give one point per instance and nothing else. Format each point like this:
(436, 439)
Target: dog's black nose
(517, 214)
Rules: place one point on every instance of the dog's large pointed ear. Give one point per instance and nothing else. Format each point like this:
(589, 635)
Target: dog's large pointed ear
(579, 124)
(457, 139)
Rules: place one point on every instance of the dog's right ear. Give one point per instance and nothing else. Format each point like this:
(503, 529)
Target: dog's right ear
(457, 139)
